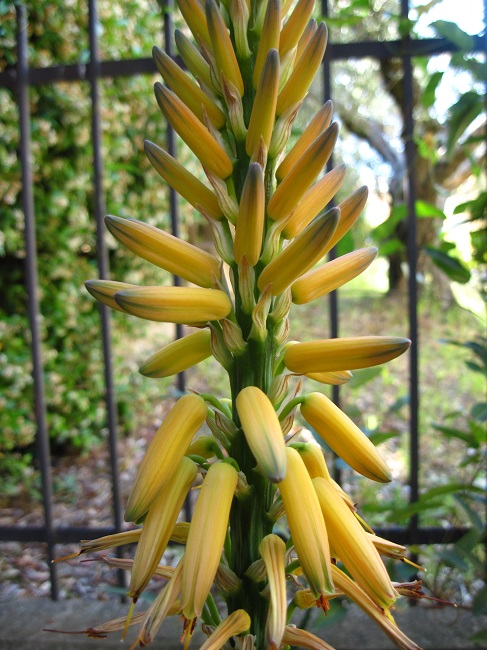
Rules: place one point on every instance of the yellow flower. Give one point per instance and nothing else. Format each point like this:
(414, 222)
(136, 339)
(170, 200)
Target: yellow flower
(187, 90)
(335, 378)
(179, 355)
(269, 39)
(354, 548)
(306, 525)
(250, 220)
(263, 432)
(350, 209)
(164, 453)
(225, 59)
(196, 135)
(294, 636)
(344, 437)
(185, 184)
(295, 26)
(206, 537)
(193, 12)
(313, 458)
(105, 290)
(236, 623)
(330, 276)
(158, 525)
(300, 255)
(166, 251)
(175, 304)
(273, 552)
(264, 108)
(343, 354)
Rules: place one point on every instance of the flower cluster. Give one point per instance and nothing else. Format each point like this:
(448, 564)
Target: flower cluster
(251, 65)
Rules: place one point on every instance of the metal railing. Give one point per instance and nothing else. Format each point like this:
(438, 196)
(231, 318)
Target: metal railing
(20, 79)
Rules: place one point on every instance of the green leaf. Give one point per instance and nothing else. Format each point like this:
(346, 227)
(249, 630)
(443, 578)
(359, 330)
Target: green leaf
(479, 411)
(428, 210)
(477, 207)
(390, 247)
(451, 266)
(361, 377)
(454, 34)
(458, 434)
(480, 636)
(462, 114)
(479, 605)
(378, 438)
(429, 94)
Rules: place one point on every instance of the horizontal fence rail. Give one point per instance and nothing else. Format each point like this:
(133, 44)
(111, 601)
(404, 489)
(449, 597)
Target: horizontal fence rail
(19, 80)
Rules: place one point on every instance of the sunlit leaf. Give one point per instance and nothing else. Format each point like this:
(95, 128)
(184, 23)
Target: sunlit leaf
(451, 266)
(429, 94)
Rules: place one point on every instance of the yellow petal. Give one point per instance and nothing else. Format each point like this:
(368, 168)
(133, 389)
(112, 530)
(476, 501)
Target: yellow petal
(175, 304)
(295, 25)
(187, 90)
(314, 200)
(304, 72)
(302, 174)
(350, 210)
(354, 548)
(185, 184)
(344, 437)
(316, 126)
(179, 355)
(105, 290)
(306, 525)
(236, 623)
(193, 59)
(263, 432)
(300, 255)
(296, 637)
(193, 12)
(225, 58)
(164, 453)
(269, 39)
(158, 525)
(313, 458)
(273, 552)
(329, 277)
(264, 107)
(166, 251)
(335, 378)
(250, 220)
(206, 537)
(342, 354)
(196, 135)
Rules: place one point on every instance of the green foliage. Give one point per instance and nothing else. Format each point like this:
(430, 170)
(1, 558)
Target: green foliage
(66, 239)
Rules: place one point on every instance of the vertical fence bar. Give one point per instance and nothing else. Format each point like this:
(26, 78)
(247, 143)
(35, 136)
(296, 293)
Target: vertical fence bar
(171, 149)
(410, 153)
(32, 283)
(333, 296)
(102, 259)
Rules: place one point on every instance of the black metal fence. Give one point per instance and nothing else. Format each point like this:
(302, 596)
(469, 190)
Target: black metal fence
(20, 80)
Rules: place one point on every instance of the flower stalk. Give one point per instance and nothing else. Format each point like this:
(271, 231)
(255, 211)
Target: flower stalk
(267, 200)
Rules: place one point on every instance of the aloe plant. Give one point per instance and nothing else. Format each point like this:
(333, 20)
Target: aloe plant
(251, 66)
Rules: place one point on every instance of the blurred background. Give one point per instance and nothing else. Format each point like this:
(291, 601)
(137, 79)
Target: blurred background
(408, 85)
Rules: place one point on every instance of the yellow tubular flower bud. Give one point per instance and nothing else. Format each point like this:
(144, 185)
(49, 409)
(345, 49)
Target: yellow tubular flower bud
(204, 446)
(350, 210)
(331, 378)
(225, 58)
(315, 199)
(282, 130)
(187, 90)
(264, 108)
(354, 548)
(295, 25)
(201, 142)
(165, 451)
(158, 525)
(193, 12)
(269, 39)
(250, 220)
(273, 552)
(166, 251)
(239, 14)
(344, 437)
(105, 290)
(341, 354)
(263, 432)
(330, 276)
(206, 537)
(315, 128)
(308, 34)
(306, 525)
(313, 458)
(236, 623)
(304, 72)
(294, 636)
(193, 59)
(382, 618)
(234, 104)
(183, 305)
(300, 255)
(185, 184)
(179, 355)
(302, 174)
(180, 532)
